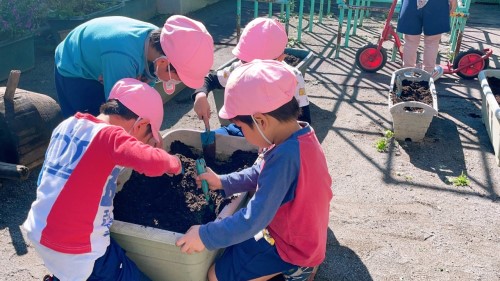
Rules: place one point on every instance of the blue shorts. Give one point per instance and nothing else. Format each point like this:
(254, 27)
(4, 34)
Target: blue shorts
(432, 19)
(252, 259)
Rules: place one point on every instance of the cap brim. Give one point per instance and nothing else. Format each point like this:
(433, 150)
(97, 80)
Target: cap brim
(190, 81)
(156, 133)
(224, 114)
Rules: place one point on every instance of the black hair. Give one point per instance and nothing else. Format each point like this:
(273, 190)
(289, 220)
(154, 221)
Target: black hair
(154, 40)
(115, 107)
(287, 112)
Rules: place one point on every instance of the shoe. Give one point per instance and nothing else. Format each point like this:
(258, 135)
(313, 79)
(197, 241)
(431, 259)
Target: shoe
(437, 73)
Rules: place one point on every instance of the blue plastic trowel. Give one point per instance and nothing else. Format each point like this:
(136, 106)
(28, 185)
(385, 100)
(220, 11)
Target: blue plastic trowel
(201, 167)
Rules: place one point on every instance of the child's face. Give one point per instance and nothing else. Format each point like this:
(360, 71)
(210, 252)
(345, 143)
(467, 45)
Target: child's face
(251, 134)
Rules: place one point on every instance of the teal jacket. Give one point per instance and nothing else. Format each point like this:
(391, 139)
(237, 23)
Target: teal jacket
(107, 49)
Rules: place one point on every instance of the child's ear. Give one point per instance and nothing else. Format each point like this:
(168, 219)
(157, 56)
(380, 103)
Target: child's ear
(261, 119)
(143, 123)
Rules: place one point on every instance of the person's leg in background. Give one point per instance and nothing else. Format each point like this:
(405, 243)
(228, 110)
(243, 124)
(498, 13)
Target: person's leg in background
(78, 95)
(410, 50)
(431, 49)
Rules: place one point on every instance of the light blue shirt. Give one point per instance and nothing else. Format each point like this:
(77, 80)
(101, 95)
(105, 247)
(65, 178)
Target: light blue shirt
(110, 48)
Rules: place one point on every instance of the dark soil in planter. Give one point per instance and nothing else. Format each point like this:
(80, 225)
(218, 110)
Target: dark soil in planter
(494, 84)
(292, 60)
(413, 91)
(175, 203)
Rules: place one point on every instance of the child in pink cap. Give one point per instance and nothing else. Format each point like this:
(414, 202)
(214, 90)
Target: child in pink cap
(283, 228)
(262, 38)
(69, 221)
(101, 51)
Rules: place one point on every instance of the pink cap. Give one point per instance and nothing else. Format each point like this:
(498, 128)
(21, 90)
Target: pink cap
(262, 38)
(142, 100)
(189, 47)
(260, 86)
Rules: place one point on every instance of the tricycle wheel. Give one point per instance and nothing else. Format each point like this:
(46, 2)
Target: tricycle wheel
(471, 56)
(369, 59)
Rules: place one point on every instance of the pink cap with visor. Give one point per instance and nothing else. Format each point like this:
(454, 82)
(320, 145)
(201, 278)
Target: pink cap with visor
(260, 86)
(189, 48)
(142, 100)
(262, 38)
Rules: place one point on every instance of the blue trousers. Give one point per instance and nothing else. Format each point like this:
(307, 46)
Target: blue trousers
(78, 95)
(114, 265)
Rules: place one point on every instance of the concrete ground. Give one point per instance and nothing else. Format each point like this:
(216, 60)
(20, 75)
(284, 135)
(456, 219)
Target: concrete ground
(395, 216)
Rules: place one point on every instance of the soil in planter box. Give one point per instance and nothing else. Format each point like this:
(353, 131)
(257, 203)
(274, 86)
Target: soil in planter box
(494, 84)
(413, 91)
(292, 60)
(175, 203)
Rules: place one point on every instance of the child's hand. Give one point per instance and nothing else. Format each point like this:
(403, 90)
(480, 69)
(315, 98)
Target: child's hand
(191, 241)
(202, 107)
(212, 179)
(180, 169)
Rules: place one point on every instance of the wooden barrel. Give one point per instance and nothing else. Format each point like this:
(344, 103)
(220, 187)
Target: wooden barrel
(26, 123)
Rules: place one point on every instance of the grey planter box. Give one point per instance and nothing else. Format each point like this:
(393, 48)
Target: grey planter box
(411, 125)
(154, 250)
(306, 57)
(490, 110)
(17, 54)
(139, 9)
(61, 27)
(166, 97)
(181, 7)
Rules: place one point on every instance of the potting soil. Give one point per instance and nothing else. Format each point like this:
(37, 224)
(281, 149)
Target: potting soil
(494, 84)
(292, 60)
(175, 203)
(413, 91)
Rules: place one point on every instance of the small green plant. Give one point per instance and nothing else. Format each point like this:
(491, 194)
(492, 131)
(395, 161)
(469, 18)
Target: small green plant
(292, 42)
(388, 134)
(461, 180)
(382, 144)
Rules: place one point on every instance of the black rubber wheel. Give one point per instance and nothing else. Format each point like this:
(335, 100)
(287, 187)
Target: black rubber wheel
(369, 59)
(464, 58)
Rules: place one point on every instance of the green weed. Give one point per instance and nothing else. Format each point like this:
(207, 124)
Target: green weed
(382, 144)
(388, 134)
(461, 180)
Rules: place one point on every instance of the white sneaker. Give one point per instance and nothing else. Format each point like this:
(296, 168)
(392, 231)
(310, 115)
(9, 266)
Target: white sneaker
(437, 72)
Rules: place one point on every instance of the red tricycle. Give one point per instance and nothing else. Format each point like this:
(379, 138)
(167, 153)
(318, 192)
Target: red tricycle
(467, 65)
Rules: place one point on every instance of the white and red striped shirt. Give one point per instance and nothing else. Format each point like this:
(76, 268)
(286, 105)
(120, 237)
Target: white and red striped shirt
(73, 210)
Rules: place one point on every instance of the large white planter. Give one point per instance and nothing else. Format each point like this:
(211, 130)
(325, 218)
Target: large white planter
(412, 125)
(154, 250)
(490, 110)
